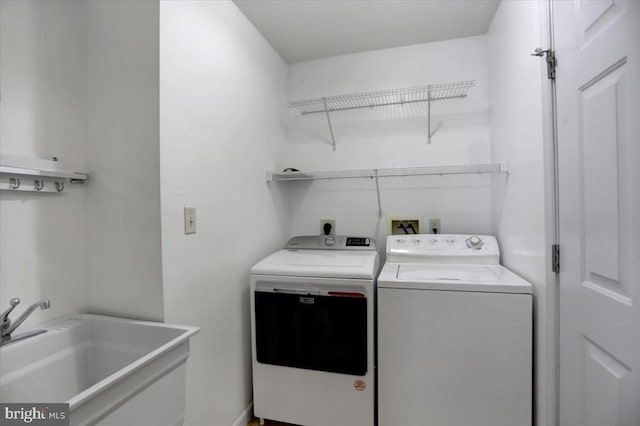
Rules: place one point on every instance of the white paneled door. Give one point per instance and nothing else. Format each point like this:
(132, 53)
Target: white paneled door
(598, 88)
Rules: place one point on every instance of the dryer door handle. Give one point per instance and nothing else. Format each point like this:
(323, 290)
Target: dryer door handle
(289, 291)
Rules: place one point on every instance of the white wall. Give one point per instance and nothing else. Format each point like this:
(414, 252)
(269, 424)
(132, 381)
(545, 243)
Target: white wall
(123, 156)
(223, 99)
(80, 82)
(392, 136)
(517, 136)
(42, 114)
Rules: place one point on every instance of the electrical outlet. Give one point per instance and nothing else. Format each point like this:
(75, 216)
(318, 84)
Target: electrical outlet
(328, 222)
(189, 220)
(434, 226)
(404, 224)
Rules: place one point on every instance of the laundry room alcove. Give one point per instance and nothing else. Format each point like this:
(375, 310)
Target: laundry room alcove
(357, 118)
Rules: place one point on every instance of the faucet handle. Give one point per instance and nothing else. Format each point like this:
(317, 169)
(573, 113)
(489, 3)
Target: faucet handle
(14, 302)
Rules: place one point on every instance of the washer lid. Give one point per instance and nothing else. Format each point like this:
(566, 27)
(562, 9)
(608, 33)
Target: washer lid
(320, 263)
(480, 278)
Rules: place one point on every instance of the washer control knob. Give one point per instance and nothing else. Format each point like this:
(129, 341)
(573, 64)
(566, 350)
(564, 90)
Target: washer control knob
(330, 240)
(474, 242)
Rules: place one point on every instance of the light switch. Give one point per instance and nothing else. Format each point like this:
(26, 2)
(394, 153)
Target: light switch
(189, 220)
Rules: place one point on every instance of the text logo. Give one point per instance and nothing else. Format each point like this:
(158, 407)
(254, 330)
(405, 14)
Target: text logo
(54, 414)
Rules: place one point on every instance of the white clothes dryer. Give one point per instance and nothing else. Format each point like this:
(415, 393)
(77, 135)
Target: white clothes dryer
(454, 334)
(312, 327)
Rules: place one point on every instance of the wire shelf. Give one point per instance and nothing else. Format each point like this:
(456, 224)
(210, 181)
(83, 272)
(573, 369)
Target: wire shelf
(432, 92)
(389, 172)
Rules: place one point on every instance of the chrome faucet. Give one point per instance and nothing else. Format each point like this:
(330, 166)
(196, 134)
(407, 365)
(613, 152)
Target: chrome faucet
(7, 327)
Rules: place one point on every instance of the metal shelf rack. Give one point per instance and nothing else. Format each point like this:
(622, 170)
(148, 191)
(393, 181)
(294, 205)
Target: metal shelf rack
(389, 172)
(430, 93)
(492, 168)
(34, 174)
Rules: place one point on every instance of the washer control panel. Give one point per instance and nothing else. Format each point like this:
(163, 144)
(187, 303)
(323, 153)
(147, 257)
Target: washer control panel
(443, 248)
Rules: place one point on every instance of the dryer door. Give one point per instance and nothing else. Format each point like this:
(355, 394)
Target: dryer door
(325, 332)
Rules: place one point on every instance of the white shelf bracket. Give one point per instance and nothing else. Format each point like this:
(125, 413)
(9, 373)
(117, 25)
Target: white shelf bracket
(429, 131)
(504, 167)
(429, 118)
(326, 109)
(375, 171)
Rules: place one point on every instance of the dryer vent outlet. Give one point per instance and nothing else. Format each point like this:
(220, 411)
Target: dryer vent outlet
(327, 227)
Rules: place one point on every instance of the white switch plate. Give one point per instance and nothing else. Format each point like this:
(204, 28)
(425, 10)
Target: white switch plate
(434, 224)
(189, 220)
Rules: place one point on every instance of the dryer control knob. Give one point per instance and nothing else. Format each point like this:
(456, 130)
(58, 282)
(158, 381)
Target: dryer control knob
(474, 242)
(330, 240)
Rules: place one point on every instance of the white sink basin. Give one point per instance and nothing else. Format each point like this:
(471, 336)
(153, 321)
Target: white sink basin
(109, 370)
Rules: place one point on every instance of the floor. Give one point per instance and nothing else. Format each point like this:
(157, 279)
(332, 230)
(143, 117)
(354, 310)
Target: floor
(256, 422)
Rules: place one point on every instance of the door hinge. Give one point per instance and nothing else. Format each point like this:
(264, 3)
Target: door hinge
(555, 258)
(551, 61)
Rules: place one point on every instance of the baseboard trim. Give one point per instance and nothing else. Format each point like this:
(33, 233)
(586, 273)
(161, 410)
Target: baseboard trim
(245, 417)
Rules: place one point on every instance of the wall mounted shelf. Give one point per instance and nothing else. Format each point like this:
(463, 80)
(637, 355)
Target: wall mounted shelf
(375, 174)
(390, 172)
(35, 174)
(429, 94)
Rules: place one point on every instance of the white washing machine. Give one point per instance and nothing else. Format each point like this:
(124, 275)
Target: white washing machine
(454, 335)
(312, 326)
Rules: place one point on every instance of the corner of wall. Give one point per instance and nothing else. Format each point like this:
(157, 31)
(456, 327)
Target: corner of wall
(123, 157)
